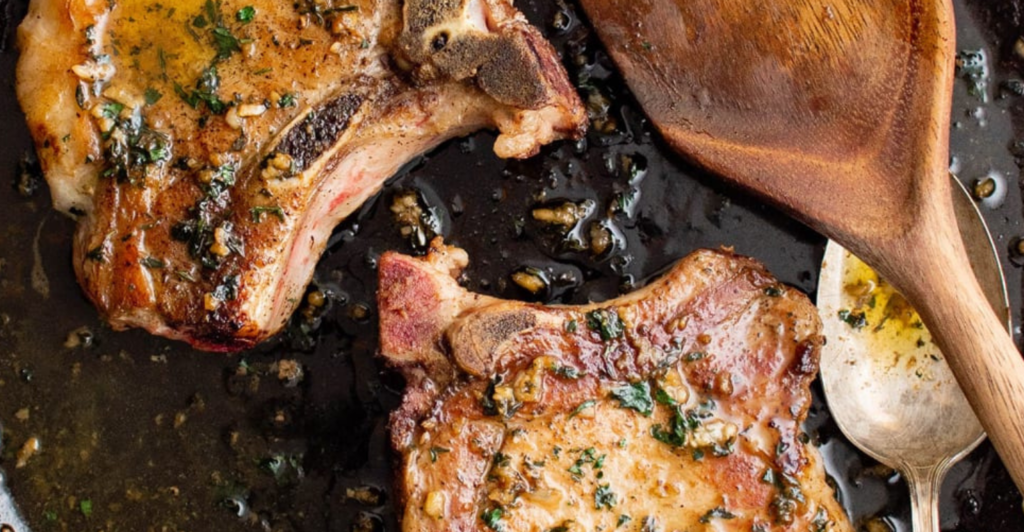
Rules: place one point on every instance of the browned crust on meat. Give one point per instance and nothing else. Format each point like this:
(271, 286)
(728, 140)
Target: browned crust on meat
(355, 112)
(758, 345)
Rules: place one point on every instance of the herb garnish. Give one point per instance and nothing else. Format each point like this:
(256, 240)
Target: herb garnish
(153, 263)
(246, 14)
(679, 427)
(112, 110)
(583, 406)
(664, 398)
(586, 457)
(257, 213)
(604, 497)
(287, 100)
(857, 320)
(205, 92)
(227, 290)
(436, 451)
(606, 323)
(131, 147)
(492, 518)
(225, 42)
(718, 512)
(152, 96)
(567, 372)
(636, 396)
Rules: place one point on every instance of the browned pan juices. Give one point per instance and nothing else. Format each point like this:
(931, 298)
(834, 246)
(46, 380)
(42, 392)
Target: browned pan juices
(155, 435)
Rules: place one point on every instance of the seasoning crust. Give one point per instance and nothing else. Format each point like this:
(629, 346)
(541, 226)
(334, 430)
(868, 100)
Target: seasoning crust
(677, 407)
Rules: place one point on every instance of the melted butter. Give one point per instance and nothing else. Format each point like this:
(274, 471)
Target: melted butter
(886, 323)
(155, 39)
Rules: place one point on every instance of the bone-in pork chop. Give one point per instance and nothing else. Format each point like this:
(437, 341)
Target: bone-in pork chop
(677, 407)
(208, 147)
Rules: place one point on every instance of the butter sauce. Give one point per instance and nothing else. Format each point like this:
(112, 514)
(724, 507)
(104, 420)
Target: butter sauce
(880, 318)
(155, 435)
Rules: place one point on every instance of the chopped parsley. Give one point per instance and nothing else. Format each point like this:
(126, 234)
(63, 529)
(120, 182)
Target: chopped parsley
(487, 403)
(225, 42)
(205, 92)
(112, 110)
(437, 451)
(321, 12)
(856, 320)
(492, 518)
(227, 290)
(153, 263)
(152, 96)
(681, 424)
(623, 519)
(586, 457)
(501, 459)
(198, 231)
(131, 148)
(85, 506)
(287, 100)
(664, 398)
(246, 14)
(583, 406)
(567, 372)
(258, 212)
(604, 497)
(788, 496)
(606, 323)
(636, 396)
(495, 403)
(718, 512)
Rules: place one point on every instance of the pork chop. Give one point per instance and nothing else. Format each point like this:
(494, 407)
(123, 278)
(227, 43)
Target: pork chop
(209, 147)
(677, 407)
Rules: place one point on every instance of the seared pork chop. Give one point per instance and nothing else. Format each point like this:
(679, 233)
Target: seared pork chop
(677, 407)
(209, 147)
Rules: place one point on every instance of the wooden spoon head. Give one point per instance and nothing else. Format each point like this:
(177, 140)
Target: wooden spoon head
(836, 110)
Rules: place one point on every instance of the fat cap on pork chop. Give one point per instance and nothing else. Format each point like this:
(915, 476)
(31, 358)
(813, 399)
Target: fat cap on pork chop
(676, 407)
(208, 148)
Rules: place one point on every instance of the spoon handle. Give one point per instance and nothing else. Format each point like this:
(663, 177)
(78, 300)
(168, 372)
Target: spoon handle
(925, 484)
(930, 267)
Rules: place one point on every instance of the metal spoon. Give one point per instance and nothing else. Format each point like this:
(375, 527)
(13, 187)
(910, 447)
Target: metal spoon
(887, 385)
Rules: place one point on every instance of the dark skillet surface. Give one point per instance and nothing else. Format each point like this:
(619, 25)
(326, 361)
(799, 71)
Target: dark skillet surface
(158, 437)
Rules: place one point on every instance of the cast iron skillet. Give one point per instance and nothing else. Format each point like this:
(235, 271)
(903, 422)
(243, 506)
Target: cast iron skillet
(138, 433)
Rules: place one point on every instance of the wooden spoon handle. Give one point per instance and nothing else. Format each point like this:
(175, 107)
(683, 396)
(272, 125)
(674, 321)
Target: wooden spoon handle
(981, 354)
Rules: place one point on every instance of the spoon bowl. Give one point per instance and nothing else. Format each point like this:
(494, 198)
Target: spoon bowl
(888, 386)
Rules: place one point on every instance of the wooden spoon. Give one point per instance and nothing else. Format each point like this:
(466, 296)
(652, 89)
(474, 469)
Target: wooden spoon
(837, 111)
